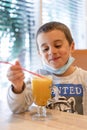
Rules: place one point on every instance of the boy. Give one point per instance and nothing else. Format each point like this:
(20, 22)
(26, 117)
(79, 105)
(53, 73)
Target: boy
(55, 46)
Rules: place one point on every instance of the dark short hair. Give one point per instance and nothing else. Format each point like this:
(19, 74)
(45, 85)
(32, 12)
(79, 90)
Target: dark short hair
(47, 27)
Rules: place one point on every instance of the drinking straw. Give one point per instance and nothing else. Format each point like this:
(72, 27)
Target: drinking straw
(33, 73)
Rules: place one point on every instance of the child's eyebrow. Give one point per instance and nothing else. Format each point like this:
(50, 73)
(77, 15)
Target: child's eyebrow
(59, 40)
(43, 44)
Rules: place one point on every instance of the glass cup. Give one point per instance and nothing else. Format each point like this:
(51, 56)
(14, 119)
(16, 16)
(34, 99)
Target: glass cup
(41, 90)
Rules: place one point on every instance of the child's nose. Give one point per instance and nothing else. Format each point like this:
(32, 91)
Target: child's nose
(52, 50)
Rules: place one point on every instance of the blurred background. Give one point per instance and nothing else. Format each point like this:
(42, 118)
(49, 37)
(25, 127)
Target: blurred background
(19, 21)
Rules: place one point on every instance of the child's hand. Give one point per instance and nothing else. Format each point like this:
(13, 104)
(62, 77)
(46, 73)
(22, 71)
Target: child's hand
(16, 76)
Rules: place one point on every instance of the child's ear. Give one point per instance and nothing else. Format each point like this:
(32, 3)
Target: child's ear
(72, 47)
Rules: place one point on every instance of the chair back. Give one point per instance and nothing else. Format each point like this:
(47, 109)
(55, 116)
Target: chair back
(81, 58)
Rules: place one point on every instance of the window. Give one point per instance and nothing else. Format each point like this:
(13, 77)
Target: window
(72, 13)
(17, 34)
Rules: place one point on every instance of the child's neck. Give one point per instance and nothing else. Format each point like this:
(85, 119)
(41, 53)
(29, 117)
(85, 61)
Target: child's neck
(69, 71)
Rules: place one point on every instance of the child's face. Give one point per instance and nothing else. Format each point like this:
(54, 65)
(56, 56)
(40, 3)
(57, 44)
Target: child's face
(54, 48)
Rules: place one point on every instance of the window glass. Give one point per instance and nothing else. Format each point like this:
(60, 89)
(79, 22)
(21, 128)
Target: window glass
(70, 12)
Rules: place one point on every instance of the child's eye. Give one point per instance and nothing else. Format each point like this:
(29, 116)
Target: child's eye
(58, 46)
(45, 49)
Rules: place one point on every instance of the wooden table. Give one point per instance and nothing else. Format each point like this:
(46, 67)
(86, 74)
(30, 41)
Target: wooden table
(59, 121)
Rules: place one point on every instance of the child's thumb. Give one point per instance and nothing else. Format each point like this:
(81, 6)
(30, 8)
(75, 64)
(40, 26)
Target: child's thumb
(17, 63)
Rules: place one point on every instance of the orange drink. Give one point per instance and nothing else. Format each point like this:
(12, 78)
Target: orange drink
(41, 89)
